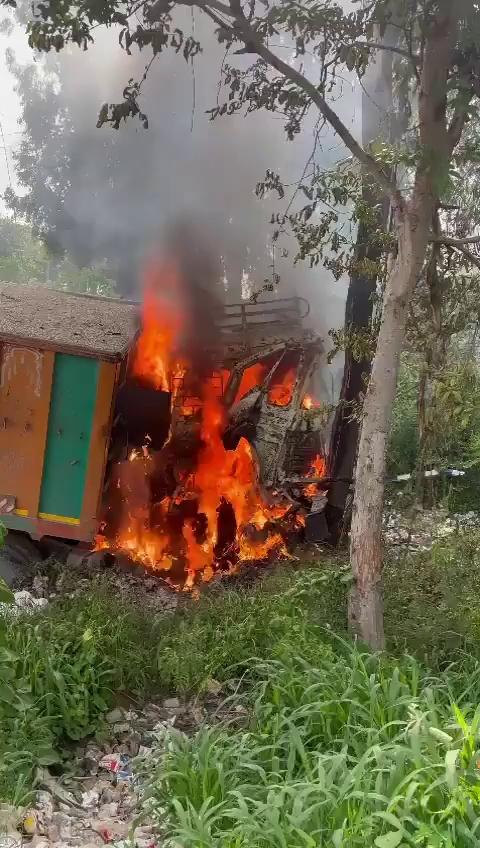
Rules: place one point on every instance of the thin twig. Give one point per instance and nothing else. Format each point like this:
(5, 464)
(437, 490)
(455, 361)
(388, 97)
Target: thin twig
(249, 36)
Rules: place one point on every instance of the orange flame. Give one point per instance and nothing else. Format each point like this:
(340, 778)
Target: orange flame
(309, 402)
(318, 468)
(280, 394)
(251, 378)
(162, 323)
(219, 479)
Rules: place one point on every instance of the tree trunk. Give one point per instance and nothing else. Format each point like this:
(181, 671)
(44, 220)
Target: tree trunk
(366, 601)
(344, 438)
(412, 226)
(377, 124)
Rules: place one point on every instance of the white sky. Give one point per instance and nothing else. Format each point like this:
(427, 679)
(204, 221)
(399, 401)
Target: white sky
(9, 104)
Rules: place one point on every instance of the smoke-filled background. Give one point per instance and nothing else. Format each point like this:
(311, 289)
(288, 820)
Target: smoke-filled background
(109, 195)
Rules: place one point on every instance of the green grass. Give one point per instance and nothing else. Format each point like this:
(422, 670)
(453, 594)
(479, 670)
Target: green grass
(61, 670)
(354, 750)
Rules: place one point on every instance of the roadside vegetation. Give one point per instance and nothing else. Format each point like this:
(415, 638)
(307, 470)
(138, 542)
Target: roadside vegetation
(340, 745)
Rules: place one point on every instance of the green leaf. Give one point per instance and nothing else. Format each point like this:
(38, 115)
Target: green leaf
(7, 656)
(7, 694)
(451, 767)
(440, 735)
(6, 595)
(389, 840)
(48, 757)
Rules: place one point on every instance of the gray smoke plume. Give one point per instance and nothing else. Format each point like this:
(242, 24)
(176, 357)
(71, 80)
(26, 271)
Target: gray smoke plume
(126, 186)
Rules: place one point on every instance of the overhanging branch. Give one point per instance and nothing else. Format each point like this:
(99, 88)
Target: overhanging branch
(249, 36)
(454, 242)
(373, 45)
(474, 260)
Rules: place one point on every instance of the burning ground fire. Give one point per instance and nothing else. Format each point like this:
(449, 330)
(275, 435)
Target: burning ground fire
(213, 517)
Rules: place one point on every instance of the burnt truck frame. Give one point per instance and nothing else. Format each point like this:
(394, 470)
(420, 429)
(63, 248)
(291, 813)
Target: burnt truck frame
(284, 437)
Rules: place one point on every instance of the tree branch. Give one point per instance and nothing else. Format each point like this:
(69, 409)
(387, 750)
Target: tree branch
(249, 36)
(475, 260)
(162, 6)
(453, 242)
(373, 45)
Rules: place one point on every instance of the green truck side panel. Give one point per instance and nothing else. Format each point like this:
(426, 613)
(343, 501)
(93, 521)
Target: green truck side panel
(72, 409)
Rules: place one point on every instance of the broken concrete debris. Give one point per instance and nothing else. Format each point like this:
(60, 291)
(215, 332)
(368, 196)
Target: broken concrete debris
(97, 801)
(24, 602)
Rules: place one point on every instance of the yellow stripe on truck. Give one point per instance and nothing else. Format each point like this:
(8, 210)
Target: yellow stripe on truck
(61, 519)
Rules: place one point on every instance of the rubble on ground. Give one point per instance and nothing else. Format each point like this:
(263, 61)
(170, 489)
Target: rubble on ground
(75, 573)
(418, 529)
(24, 601)
(97, 799)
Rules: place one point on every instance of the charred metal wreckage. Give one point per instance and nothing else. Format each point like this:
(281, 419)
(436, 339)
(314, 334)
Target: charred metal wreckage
(95, 448)
(265, 347)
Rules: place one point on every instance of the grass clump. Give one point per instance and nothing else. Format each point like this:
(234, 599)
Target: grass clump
(432, 599)
(353, 750)
(61, 670)
(59, 673)
(220, 634)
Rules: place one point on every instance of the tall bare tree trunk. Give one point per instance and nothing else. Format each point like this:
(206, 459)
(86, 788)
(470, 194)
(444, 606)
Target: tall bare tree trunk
(366, 602)
(412, 225)
(378, 124)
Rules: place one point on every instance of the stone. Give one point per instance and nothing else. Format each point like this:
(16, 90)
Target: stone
(25, 601)
(171, 703)
(76, 558)
(63, 824)
(213, 687)
(121, 727)
(111, 794)
(91, 759)
(114, 716)
(134, 741)
(40, 585)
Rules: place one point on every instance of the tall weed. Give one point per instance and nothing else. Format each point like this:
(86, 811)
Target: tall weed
(355, 750)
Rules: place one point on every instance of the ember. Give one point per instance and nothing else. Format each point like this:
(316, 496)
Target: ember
(317, 469)
(310, 403)
(192, 516)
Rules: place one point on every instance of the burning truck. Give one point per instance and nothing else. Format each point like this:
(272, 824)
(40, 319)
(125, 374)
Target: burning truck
(204, 447)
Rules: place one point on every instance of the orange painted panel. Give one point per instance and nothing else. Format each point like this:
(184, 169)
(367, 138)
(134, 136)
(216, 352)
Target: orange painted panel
(99, 444)
(25, 385)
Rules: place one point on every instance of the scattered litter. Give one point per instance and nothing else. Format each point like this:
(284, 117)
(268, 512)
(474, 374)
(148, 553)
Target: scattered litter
(90, 799)
(419, 530)
(119, 765)
(114, 762)
(29, 823)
